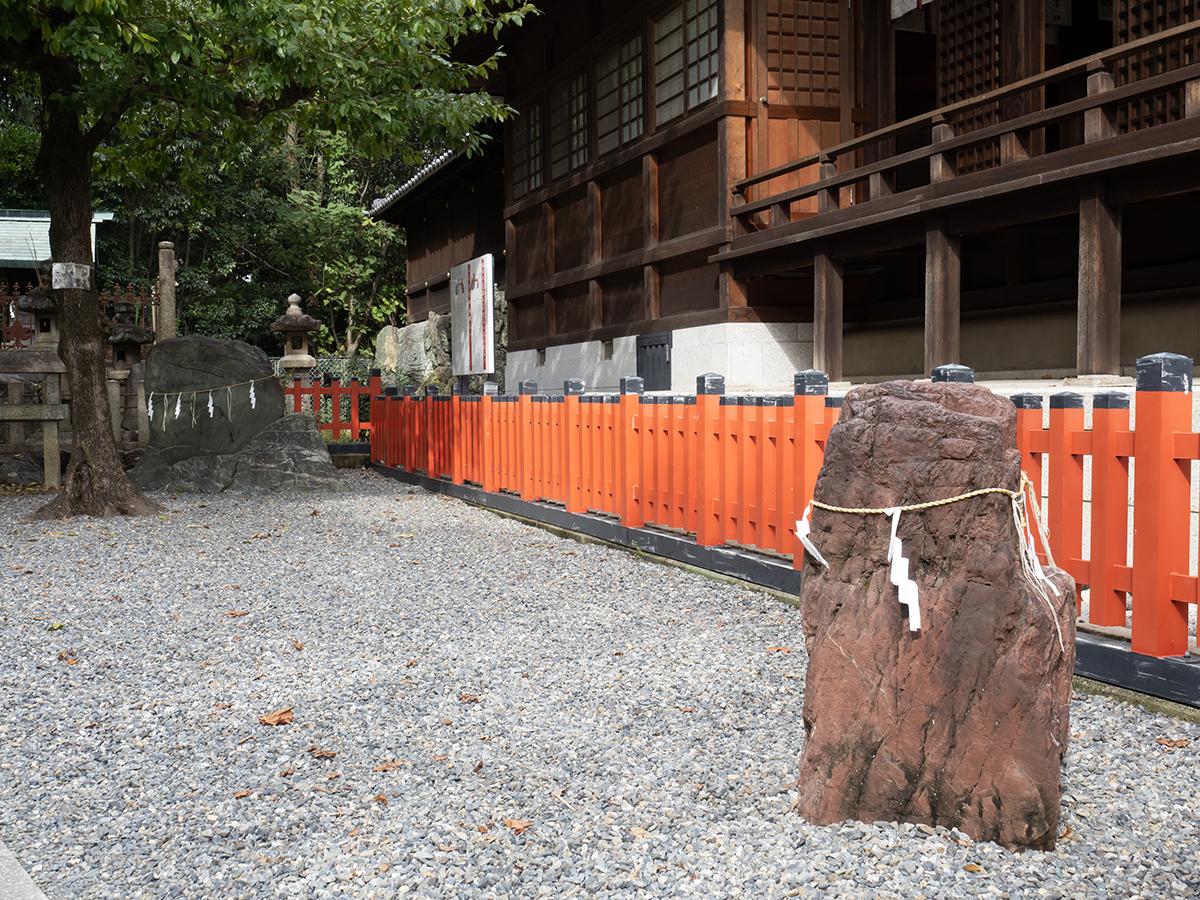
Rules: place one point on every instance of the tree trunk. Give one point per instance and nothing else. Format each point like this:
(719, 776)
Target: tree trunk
(95, 482)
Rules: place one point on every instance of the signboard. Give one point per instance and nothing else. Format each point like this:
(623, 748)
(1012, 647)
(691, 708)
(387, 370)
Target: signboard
(472, 337)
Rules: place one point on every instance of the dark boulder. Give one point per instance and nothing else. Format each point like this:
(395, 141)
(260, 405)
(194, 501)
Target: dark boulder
(965, 722)
(183, 371)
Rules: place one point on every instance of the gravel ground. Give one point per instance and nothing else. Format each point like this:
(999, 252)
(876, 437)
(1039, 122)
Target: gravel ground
(480, 708)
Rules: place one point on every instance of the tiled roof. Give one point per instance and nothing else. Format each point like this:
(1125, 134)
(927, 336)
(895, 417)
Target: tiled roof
(25, 236)
(439, 162)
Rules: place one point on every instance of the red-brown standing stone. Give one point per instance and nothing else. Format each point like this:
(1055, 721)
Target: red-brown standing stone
(964, 723)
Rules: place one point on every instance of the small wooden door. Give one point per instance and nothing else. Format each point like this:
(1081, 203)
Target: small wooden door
(654, 361)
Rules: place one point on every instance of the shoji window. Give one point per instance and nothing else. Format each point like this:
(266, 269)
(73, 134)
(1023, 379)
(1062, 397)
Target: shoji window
(527, 151)
(619, 96)
(569, 125)
(686, 61)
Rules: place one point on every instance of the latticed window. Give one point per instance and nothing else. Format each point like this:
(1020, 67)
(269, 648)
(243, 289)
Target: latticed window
(568, 125)
(686, 61)
(619, 96)
(527, 151)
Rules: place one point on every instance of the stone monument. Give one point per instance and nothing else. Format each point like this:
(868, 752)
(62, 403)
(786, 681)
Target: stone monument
(964, 721)
(295, 325)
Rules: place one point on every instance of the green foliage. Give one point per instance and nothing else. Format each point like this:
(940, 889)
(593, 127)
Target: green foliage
(252, 134)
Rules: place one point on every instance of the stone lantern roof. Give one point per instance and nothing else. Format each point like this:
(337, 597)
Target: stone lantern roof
(295, 320)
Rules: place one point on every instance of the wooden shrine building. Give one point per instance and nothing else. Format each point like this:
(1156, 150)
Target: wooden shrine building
(873, 187)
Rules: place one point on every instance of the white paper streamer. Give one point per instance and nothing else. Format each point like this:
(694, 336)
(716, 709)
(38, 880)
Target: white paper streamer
(150, 407)
(178, 404)
(906, 588)
(253, 397)
(803, 530)
(210, 405)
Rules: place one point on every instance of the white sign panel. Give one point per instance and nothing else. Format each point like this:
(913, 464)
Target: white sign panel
(472, 342)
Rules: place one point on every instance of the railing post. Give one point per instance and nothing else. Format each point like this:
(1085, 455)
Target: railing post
(941, 165)
(490, 479)
(1029, 423)
(296, 392)
(573, 442)
(952, 373)
(1191, 98)
(456, 433)
(810, 388)
(827, 198)
(1110, 508)
(709, 526)
(1161, 501)
(630, 457)
(374, 388)
(525, 448)
(1064, 512)
(431, 391)
(1098, 123)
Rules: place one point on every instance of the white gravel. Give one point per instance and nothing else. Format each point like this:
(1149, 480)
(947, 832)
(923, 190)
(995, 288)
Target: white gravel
(554, 718)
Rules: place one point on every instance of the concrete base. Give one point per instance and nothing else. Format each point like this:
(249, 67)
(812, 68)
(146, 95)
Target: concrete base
(15, 883)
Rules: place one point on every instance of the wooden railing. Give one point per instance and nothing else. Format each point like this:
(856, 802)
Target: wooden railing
(836, 168)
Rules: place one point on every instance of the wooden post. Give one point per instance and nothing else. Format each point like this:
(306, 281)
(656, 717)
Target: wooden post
(573, 474)
(1099, 123)
(1098, 323)
(51, 458)
(629, 444)
(165, 327)
(827, 314)
(595, 253)
(827, 199)
(525, 448)
(1191, 98)
(709, 496)
(942, 287)
(941, 165)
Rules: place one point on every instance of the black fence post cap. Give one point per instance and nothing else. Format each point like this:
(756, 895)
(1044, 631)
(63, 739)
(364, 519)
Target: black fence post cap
(409, 390)
(490, 388)
(1027, 401)
(710, 383)
(953, 373)
(431, 390)
(573, 387)
(1066, 400)
(374, 373)
(631, 384)
(456, 389)
(389, 392)
(527, 388)
(811, 383)
(1111, 400)
(1164, 372)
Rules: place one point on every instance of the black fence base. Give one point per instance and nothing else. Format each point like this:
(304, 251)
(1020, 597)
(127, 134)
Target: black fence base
(1099, 658)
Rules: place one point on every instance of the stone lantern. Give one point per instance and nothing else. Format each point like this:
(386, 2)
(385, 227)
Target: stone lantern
(127, 336)
(39, 304)
(295, 325)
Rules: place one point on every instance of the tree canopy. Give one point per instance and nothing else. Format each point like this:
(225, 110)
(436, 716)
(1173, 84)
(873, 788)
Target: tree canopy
(123, 84)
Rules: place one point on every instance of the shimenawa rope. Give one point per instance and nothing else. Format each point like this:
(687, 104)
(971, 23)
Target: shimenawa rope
(907, 589)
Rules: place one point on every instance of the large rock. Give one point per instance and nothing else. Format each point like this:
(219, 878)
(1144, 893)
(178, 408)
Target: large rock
(288, 455)
(19, 469)
(963, 723)
(194, 366)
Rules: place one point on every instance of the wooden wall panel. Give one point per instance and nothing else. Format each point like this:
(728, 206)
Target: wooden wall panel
(688, 285)
(622, 207)
(530, 247)
(688, 181)
(573, 310)
(623, 301)
(1133, 19)
(571, 222)
(526, 319)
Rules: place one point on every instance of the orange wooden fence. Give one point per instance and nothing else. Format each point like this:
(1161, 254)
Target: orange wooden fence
(740, 470)
(338, 408)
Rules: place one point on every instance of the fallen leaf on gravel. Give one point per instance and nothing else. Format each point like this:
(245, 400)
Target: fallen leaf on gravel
(241, 795)
(288, 773)
(410, 664)
(619, 653)
(72, 661)
(1067, 834)
(390, 765)
(315, 512)
(381, 798)
(779, 649)
(447, 722)
(279, 717)
(478, 767)
(485, 828)
(441, 757)
(55, 626)
(1175, 743)
(686, 709)
(406, 534)
(319, 753)
(221, 704)
(972, 867)
(518, 826)
(333, 776)
(640, 833)
(296, 645)
(237, 613)
(468, 698)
